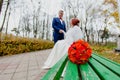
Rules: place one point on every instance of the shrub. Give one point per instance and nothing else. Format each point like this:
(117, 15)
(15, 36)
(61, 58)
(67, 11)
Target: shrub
(22, 45)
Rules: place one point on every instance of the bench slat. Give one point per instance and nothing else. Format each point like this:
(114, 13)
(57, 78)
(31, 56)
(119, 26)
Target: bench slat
(102, 71)
(55, 72)
(71, 72)
(87, 72)
(98, 68)
(107, 59)
(114, 67)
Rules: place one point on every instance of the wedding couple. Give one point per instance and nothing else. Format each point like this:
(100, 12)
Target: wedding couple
(62, 39)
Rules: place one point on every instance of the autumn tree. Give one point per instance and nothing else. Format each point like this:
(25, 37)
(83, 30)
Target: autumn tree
(9, 13)
(115, 14)
(114, 2)
(105, 35)
(7, 5)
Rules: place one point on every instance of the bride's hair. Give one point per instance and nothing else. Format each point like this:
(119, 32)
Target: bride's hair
(75, 21)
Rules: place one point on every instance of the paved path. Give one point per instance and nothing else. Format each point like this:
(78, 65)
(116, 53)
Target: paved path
(25, 66)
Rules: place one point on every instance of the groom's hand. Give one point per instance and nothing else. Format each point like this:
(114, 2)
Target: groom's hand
(61, 31)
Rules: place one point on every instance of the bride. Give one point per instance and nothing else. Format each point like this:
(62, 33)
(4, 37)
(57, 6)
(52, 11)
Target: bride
(61, 47)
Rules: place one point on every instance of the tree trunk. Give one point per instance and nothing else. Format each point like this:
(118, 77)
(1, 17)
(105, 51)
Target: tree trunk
(25, 29)
(34, 24)
(47, 25)
(8, 21)
(1, 2)
(4, 17)
(99, 37)
(92, 36)
(106, 42)
(43, 29)
(86, 31)
(102, 40)
(23, 33)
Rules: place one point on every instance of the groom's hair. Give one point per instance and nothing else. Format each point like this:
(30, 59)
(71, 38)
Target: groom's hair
(61, 11)
(75, 21)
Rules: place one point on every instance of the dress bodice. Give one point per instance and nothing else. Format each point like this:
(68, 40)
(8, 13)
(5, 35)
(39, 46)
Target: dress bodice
(73, 34)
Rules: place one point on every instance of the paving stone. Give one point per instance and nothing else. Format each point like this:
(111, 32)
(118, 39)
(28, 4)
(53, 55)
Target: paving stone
(19, 75)
(6, 76)
(26, 66)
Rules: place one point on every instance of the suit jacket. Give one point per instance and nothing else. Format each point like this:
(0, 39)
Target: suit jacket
(57, 25)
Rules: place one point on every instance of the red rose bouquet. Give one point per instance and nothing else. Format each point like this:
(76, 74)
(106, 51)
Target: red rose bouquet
(79, 52)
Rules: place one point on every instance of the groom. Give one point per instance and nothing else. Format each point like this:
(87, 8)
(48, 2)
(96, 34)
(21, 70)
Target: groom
(59, 27)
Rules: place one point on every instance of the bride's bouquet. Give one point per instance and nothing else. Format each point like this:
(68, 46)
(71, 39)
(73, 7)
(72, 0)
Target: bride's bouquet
(79, 52)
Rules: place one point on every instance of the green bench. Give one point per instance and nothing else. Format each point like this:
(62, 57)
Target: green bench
(97, 68)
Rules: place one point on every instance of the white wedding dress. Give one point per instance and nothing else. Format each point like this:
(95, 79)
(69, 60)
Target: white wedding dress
(61, 47)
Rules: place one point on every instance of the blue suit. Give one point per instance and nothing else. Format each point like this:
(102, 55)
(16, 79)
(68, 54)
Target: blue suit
(57, 25)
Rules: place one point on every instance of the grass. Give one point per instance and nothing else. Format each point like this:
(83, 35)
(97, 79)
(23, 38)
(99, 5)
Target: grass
(107, 51)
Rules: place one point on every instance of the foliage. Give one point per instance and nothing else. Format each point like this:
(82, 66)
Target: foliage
(107, 51)
(115, 15)
(10, 46)
(114, 2)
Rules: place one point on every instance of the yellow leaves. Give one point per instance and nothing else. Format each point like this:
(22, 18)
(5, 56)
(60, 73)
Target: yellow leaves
(16, 46)
(104, 12)
(110, 23)
(103, 47)
(115, 15)
(114, 2)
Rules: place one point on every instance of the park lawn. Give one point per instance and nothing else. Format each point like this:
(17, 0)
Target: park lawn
(107, 51)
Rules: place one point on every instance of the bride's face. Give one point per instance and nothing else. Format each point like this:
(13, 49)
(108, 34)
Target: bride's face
(71, 25)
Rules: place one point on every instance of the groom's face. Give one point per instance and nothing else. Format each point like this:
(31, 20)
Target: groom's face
(60, 14)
